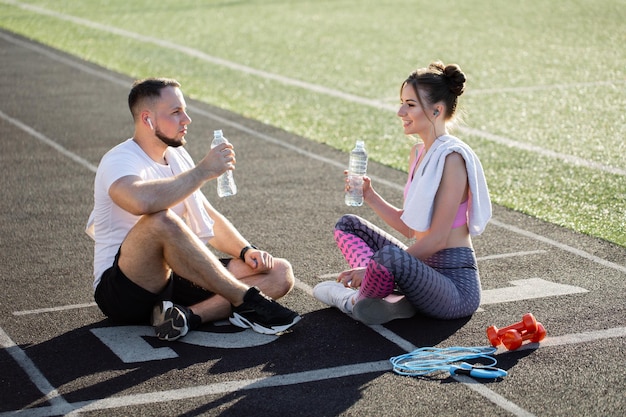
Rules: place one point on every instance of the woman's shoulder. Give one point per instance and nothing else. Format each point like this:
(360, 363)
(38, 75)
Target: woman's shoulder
(415, 149)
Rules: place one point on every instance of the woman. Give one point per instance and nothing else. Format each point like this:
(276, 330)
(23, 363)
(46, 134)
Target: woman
(446, 200)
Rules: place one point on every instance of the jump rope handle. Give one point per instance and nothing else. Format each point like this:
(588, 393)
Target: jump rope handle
(483, 372)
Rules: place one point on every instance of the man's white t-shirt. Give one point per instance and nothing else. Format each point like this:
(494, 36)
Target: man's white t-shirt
(109, 224)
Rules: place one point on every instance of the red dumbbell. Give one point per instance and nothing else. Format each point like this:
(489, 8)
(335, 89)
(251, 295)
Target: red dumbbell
(513, 339)
(528, 324)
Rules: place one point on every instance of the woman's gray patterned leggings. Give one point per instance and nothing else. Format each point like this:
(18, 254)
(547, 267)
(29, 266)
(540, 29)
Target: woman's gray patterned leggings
(444, 286)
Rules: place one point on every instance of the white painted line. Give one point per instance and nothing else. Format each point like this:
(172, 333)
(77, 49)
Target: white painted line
(528, 289)
(570, 159)
(128, 343)
(510, 255)
(58, 403)
(272, 140)
(48, 141)
(266, 138)
(381, 330)
(67, 61)
(315, 88)
(306, 288)
(559, 245)
(303, 377)
(333, 275)
(492, 396)
(53, 309)
(34, 374)
(572, 339)
(565, 340)
(308, 154)
(393, 337)
(329, 276)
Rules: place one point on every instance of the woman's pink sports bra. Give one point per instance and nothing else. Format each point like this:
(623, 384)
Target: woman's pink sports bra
(461, 214)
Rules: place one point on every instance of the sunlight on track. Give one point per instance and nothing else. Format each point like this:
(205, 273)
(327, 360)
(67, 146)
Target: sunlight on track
(60, 406)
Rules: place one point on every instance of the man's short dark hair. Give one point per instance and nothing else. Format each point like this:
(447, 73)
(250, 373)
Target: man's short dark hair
(147, 89)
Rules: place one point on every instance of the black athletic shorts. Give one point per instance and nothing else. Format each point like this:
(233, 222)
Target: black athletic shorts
(125, 302)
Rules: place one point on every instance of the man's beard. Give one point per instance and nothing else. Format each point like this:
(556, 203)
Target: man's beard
(173, 142)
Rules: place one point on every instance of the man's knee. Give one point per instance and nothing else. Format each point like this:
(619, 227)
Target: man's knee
(163, 221)
(284, 275)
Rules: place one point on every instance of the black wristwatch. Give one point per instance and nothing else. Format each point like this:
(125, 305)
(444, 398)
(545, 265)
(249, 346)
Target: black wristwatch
(242, 254)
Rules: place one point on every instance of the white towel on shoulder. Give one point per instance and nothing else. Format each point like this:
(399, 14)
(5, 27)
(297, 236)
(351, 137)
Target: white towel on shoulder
(421, 194)
(197, 217)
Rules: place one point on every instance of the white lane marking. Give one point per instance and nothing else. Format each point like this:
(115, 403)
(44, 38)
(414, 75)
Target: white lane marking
(266, 138)
(34, 374)
(305, 377)
(204, 390)
(393, 337)
(293, 148)
(570, 159)
(53, 309)
(298, 150)
(489, 391)
(492, 396)
(377, 104)
(128, 343)
(571, 339)
(50, 142)
(510, 255)
(528, 289)
(522, 289)
(562, 246)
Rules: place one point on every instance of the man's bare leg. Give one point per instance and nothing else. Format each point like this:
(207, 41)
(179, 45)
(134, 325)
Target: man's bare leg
(162, 242)
(275, 283)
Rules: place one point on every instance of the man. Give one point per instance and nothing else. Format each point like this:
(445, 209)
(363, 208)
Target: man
(151, 224)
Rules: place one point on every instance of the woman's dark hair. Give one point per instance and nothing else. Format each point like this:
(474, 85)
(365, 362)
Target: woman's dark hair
(438, 83)
(147, 89)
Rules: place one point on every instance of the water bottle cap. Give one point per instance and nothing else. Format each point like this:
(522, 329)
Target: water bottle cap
(217, 133)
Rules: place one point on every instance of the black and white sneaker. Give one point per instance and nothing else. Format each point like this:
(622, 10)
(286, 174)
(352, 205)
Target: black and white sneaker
(262, 314)
(170, 321)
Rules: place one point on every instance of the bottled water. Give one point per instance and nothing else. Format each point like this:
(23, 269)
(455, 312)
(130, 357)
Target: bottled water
(225, 183)
(357, 168)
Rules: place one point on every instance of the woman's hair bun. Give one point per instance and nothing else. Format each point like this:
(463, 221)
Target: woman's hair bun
(438, 83)
(455, 78)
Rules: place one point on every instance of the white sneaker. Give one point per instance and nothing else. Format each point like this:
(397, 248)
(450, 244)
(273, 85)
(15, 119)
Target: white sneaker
(170, 321)
(334, 294)
(383, 310)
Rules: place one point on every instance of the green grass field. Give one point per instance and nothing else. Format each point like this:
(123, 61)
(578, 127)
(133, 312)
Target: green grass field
(544, 107)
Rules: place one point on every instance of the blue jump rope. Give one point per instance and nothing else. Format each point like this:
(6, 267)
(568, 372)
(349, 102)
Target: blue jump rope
(427, 360)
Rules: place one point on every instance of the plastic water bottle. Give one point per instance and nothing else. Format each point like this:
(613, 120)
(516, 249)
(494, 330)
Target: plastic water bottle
(357, 168)
(225, 183)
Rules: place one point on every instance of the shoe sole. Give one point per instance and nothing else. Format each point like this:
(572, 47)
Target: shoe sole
(240, 321)
(172, 324)
(324, 292)
(380, 311)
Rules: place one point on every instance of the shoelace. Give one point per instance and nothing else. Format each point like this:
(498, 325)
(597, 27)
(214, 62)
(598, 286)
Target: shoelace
(266, 306)
(428, 360)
